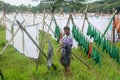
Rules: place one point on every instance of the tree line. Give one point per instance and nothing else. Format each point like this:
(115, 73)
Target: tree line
(65, 6)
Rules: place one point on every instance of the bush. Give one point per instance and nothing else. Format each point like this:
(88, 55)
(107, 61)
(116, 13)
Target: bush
(2, 43)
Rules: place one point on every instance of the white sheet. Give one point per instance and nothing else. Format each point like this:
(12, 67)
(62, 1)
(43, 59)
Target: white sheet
(18, 39)
(30, 49)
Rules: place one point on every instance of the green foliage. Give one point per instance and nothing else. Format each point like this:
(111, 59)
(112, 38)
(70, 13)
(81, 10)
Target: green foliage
(67, 6)
(2, 43)
(105, 6)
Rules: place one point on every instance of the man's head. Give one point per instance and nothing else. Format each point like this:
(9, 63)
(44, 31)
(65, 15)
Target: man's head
(66, 30)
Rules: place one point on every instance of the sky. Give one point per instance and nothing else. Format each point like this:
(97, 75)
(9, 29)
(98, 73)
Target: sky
(27, 2)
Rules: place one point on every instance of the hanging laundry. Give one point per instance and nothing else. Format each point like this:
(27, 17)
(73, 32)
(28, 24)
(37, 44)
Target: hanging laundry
(117, 56)
(18, 39)
(104, 44)
(109, 47)
(92, 32)
(99, 39)
(90, 50)
(61, 35)
(96, 56)
(57, 33)
(86, 46)
(8, 32)
(80, 39)
(50, 54)
(89, 29)
(74, 31)
(77, 34)
(96, 37)
(30, 50)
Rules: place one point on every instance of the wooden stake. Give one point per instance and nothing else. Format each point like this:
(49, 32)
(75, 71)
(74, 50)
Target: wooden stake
(81, 61)
(41, 43)
(109, 23)
(85, 13)
(1, 74)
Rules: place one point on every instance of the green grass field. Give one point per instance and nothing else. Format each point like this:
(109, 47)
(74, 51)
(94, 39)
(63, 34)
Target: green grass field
(15, 66)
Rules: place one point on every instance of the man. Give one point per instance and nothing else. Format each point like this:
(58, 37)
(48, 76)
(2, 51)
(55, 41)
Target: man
(66, 45)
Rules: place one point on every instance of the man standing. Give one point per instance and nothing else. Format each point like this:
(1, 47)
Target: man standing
(66, 46)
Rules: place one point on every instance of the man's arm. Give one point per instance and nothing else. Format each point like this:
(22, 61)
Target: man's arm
(61, 46)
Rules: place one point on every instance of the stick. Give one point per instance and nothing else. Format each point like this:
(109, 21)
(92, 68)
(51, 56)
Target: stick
(81, 61)
(109, 23)
(34, 43)
(68, 20)
(84, 17)
(41, 44)
(2, 75)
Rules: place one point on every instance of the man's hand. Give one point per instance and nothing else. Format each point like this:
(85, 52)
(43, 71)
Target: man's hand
(58, 50)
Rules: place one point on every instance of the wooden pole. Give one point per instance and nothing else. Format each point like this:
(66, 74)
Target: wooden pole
(68, 20)
(109, 23)
(35, 43)
(113, 28)
(81, 61)
(85, 13)
(113, 31)
(41, 43)
(3, 11)
(1, 74)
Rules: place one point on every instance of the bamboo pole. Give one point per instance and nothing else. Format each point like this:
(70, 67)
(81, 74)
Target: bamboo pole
(3, 11)
(41, 43)
(85, 13)
(1, 74)
(81, 61)
(109, 23)
(68, 20)
(34, 43)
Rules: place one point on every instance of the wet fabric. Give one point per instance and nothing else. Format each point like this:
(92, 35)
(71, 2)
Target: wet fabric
(89, 29)
(18, 39)
(67, 43)
(90, 50)
(96, 56)
(50, 54)
(80, 38)
(8, 32)
(30, 50)
(57, 33)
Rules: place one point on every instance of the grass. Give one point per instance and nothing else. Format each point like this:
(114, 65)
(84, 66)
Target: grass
(15, 66)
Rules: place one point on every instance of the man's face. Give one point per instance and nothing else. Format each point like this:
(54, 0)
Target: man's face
(66, 32)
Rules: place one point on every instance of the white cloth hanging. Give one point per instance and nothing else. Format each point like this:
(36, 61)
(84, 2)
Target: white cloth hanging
(8, 32)
(30, 50)
(18, 39)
